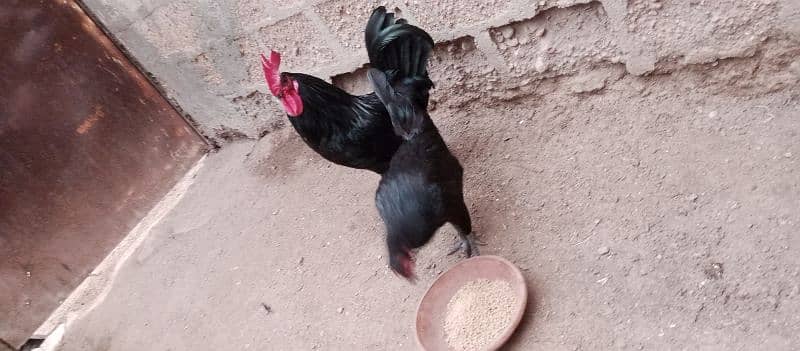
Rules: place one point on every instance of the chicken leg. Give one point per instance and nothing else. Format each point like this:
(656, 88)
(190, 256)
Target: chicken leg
(463, 225)
(466, 243)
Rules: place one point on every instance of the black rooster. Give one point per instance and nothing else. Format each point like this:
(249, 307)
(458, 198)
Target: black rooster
(354, 131)
(423, 187)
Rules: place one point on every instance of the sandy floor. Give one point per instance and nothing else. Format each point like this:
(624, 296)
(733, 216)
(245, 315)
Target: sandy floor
(647, 215)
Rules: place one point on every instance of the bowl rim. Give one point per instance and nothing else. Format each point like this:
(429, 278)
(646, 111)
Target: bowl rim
(517, 319)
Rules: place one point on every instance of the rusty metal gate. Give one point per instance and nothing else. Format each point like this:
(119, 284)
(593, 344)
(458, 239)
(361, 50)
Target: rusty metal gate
(87, 147)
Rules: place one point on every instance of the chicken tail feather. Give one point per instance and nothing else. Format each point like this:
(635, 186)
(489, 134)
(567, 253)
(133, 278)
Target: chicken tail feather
(396, 47)
(407, 118)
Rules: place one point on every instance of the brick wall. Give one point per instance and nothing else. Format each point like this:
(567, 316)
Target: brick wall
(204, 53)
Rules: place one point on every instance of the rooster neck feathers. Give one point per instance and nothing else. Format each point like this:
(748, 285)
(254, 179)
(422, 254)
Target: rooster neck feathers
(332, 107)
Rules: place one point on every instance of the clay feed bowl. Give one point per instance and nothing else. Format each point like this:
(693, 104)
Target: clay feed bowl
(433, 307)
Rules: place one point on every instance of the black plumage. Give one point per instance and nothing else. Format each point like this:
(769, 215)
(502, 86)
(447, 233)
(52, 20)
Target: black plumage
(356, 131)
(352, 131)
(423, 186)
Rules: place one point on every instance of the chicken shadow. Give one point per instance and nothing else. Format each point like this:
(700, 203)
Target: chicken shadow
(282, 154)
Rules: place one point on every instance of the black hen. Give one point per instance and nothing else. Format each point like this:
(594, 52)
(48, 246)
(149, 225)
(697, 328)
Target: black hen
(354, 131)
(423, 187)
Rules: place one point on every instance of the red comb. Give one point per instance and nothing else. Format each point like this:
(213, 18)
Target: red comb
(272, 71)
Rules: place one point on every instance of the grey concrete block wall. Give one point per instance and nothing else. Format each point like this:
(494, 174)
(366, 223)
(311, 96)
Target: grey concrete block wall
(205, 53)
(346, 20)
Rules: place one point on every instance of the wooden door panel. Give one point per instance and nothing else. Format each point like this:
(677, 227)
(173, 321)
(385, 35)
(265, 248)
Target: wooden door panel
(87, 147)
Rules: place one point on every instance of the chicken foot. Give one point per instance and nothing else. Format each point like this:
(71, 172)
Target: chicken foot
(469, 244)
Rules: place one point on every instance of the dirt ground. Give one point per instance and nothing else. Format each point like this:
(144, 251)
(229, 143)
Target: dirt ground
(649, 213)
